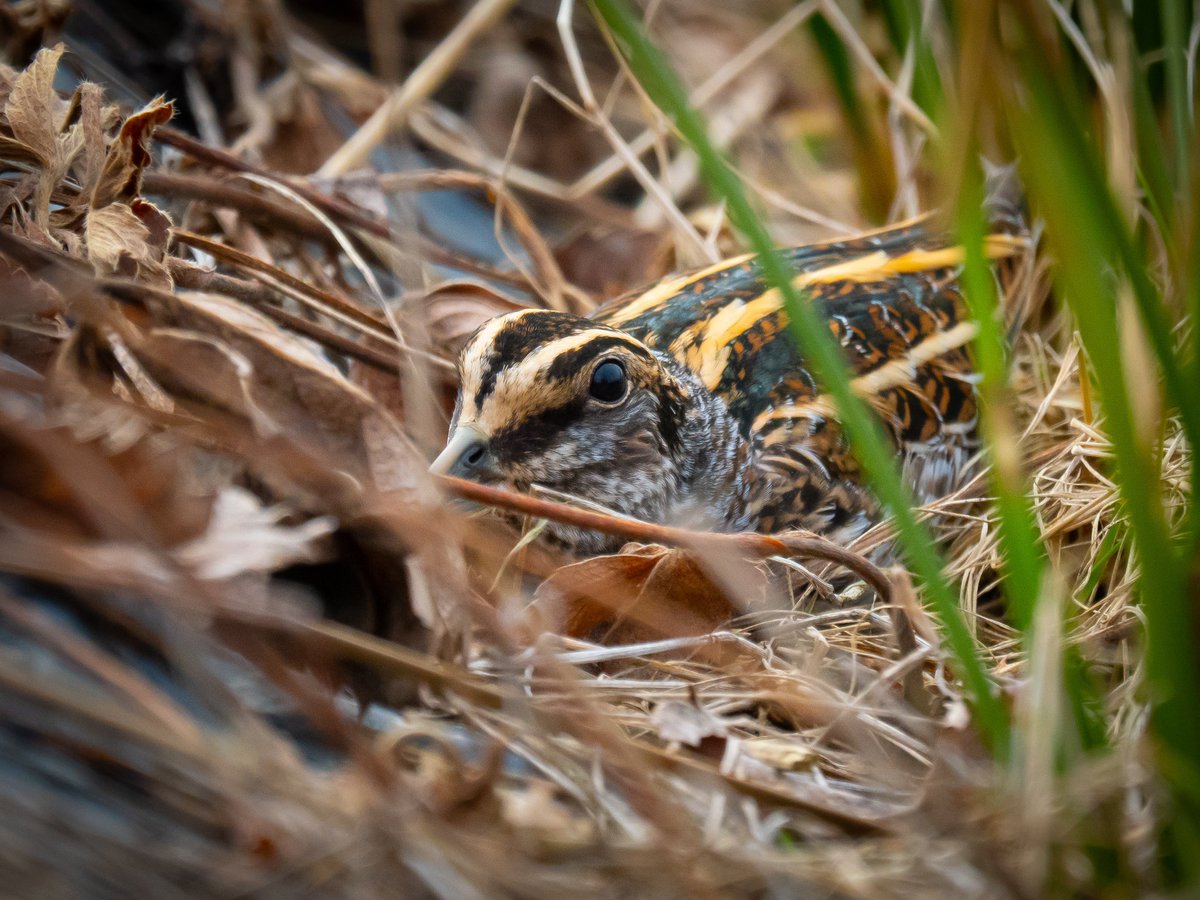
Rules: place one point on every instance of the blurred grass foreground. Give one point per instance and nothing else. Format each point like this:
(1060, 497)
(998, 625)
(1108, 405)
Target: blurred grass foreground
(248, 647)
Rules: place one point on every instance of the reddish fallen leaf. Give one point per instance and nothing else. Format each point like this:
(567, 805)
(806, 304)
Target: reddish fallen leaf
(648, 593)
(66, 487)
(215, 348)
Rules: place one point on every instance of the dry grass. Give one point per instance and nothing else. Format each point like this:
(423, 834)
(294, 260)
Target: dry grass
(246, 646)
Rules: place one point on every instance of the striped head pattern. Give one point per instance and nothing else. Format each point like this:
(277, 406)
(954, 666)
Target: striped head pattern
(556, 400)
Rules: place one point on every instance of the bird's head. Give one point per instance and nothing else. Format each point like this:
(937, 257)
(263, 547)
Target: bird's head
(560, 401)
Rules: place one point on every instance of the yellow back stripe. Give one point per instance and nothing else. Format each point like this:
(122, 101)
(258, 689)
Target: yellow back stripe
(891, 374)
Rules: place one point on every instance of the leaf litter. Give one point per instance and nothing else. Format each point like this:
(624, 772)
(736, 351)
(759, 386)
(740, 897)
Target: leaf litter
(247, 646)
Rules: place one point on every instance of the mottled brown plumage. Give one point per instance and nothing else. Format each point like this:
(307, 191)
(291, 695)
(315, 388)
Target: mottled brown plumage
(719, 423)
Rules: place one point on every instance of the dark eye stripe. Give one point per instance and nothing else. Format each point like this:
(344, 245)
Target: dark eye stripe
(535, 434)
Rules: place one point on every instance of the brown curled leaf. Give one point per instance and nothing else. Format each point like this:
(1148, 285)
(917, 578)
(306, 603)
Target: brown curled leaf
(457, 308)
(129, 154)
(95, 119)
(610, 262)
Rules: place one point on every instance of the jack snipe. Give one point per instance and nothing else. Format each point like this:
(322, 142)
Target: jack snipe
(689, 404)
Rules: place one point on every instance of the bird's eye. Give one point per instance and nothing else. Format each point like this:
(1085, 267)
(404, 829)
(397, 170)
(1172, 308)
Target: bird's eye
(608, 382)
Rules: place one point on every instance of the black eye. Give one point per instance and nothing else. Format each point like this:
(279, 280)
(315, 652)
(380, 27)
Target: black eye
(608, 382)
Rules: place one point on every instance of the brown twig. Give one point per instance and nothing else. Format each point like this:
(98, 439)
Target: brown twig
(36, 257)
(762, 546)
(332, 206)
(219, 193)
(551, 282)
(223, 159)
(124, 679)
(347, 644)
(264, 299)
(247, 261)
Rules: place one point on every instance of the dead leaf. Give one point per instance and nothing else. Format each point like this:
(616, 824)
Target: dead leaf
(392, 460)
(535, 811)
(456, 308)
(83, 488)
(33, 105)
(279, 381)
(95, 120)
(118, 243)
(24, 296)
(157, 222)
(114, 234)
(685, 723)
(35, 115)
(608, 263)
(70, 241)
(647, 593)
(13, 150)
(737, 762)
(782, 754)
(244, 536)
(129, 154)
(303, 136)
(26, 27)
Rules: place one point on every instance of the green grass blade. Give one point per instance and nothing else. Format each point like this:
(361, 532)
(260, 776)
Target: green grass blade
(813, 337)
(906, 30)
(1079, 232)
(1153, 173)
(1174, 23)
(1096, 204)
(1024, 564)
(872, 162)
(1191, 279)
(1018, 533)
(1017, 530)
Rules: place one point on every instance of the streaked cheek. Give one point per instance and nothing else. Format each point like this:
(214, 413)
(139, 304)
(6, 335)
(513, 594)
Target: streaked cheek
(561, 456)
(564, 460)
(642, 445)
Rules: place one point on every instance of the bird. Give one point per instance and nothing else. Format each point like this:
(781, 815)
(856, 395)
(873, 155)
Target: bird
(688, 403)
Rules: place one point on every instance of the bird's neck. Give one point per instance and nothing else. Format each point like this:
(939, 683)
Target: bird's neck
(719, 484)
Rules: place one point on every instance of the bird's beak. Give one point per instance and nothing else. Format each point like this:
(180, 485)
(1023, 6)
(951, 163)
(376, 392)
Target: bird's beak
(466, 455)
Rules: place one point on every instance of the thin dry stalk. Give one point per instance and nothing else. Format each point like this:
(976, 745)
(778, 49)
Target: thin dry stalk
(421, 82)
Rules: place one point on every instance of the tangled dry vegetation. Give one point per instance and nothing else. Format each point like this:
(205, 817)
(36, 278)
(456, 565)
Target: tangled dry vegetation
(246, 646)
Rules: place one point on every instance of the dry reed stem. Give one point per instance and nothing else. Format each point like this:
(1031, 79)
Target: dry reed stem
(421, 82)
(728, 72)
(595, 114)
(332, 206)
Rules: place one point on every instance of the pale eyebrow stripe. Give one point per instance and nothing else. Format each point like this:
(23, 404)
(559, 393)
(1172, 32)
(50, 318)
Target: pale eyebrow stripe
(476, 354)
(548, 352)
(526, 379)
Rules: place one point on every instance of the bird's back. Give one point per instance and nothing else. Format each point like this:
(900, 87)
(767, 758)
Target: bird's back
(892, 300)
